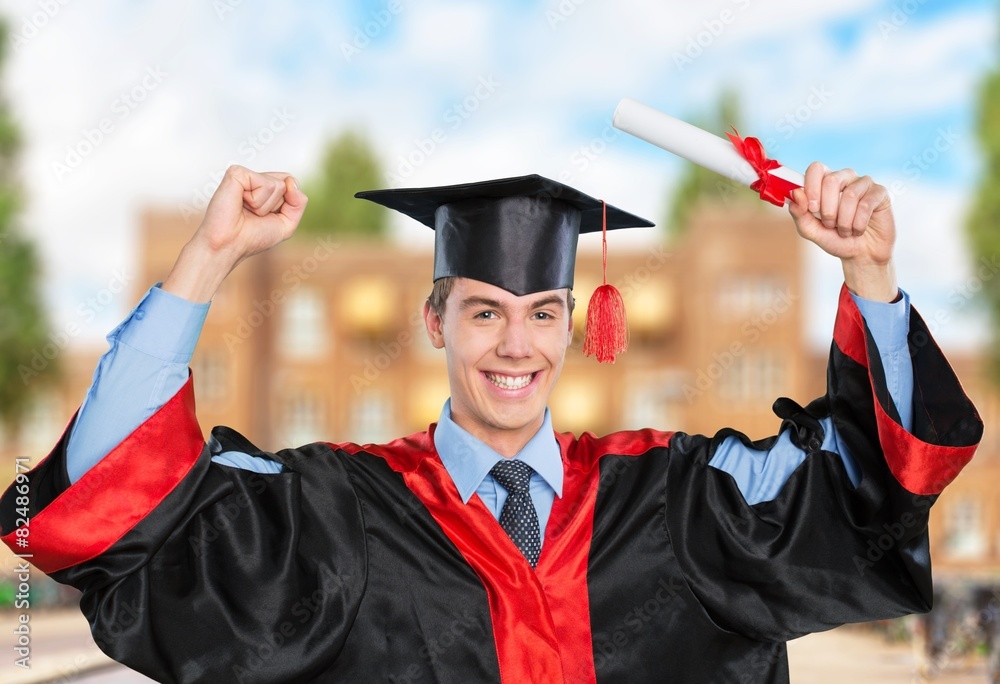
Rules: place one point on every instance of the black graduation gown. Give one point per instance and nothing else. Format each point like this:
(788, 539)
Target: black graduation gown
(361, 564)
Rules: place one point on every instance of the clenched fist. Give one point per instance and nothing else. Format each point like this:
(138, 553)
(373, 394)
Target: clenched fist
(851, 218)
(250, 212)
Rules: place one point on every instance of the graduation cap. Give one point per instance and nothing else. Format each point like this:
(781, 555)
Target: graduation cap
(519, 234)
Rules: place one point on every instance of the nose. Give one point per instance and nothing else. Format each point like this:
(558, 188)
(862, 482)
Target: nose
(515, 341)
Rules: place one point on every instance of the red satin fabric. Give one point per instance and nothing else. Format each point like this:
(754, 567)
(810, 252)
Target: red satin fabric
(771, 188)
(541, 618)
(920, 467)
(527, 646)
(118, 492)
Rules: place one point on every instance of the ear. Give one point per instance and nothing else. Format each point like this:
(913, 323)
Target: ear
(569, 334)
(435, 326)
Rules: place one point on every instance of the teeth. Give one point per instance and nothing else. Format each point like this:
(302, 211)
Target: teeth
(508, 381)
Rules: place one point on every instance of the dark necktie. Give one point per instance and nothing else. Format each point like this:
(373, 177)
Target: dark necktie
(518, 517)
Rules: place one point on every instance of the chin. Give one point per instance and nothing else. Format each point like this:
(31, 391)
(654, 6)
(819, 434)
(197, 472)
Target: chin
(520, 419)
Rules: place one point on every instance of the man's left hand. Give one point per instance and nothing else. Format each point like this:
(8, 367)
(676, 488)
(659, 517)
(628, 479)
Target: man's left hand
(851, 218)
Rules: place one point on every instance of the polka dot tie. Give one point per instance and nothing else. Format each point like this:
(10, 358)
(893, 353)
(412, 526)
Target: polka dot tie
(518, 517)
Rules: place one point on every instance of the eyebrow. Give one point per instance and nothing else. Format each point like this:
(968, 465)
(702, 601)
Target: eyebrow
(550, 301)
(475, 302)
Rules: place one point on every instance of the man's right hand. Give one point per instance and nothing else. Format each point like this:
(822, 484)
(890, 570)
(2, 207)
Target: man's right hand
(249, 213)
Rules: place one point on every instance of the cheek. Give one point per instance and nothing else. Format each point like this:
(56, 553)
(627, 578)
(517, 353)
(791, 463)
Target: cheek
(467, 348)
(556, 346)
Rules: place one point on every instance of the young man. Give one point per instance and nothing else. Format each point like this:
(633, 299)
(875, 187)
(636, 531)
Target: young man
(490, 548)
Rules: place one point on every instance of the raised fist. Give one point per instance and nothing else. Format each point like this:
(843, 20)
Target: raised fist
(250, 212)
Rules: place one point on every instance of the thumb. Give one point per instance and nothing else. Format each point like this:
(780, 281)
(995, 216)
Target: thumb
(295, 202)
(808, 225)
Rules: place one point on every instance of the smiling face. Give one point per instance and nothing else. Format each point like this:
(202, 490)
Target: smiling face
(504, 355)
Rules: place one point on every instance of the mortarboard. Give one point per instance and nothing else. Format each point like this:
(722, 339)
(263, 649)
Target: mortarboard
(518, 233)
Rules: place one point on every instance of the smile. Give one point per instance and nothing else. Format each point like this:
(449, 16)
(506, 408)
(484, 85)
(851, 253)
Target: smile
(510, 382)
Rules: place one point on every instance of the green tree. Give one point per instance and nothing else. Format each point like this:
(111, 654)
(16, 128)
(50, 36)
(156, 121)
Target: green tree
(23, 328)
(984, 220)
(698, 184)
(349, 165)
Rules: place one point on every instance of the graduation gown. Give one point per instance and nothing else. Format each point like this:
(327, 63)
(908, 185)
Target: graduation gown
(360, 563)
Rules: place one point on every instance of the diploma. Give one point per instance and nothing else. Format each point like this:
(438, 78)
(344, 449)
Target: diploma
(740, 160)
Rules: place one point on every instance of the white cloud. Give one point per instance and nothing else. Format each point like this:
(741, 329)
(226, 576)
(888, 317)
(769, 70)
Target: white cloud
(922, 68)
(227, 75)
(933, 265)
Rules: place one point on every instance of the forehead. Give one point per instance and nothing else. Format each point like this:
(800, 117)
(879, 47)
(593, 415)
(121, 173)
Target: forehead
(465, 289)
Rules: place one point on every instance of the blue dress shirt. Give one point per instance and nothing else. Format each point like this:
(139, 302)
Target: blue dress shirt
(468, 461)
(148, 363)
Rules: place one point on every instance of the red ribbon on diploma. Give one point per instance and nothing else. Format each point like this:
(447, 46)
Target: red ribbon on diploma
(771, 188)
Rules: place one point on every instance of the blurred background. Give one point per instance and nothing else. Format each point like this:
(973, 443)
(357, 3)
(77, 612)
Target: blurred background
(117, 125)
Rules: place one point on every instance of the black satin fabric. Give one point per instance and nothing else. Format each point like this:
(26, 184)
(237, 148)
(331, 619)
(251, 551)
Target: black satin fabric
(698, 586)
(338, 576)
(521, 244)
(518, 233)
(335, 572)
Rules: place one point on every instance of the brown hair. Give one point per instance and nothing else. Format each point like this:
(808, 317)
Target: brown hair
(439, 294)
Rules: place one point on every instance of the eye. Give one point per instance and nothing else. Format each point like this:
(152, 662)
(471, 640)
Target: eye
(485, 315)
(543, 316)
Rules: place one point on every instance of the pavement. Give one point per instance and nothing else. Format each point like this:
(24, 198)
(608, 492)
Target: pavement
(857, 655)
(63, 652)
(60, 648)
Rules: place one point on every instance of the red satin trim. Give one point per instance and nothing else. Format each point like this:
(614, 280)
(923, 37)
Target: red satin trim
(772, 189)
(849, 329)
(117, 493)
(562, 568)
(527, 644)
(589, 448)
(541, 618)
(920, 467)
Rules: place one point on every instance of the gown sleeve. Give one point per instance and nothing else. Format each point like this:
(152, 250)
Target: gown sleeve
(192, 571)
(824, 552)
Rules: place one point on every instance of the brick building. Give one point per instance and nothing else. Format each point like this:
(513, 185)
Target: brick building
(323, 339)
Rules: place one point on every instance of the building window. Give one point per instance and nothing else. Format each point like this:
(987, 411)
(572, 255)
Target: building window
(372, 419)
(368, 308)
(753, 376)
(965, 533)
(654, 401)
(42, 425)
(652, 313)
(749, 295)
(210, 368)
(303, 331)
(303, 420)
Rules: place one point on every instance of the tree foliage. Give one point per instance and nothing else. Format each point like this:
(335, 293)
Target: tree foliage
(23, 328)
(698, 184)
(984, 220)
(349, 165)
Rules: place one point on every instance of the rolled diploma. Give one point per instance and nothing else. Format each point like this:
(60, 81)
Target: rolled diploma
(690, 142)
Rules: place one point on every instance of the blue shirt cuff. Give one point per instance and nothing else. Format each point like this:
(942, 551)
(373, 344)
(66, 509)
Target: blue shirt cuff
(163, 326)
(889, 322)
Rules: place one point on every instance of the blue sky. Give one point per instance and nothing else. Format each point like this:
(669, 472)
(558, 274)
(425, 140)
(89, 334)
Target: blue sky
(507, 88)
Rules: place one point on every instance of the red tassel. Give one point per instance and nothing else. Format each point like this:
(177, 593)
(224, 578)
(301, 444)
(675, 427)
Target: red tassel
(607, 327)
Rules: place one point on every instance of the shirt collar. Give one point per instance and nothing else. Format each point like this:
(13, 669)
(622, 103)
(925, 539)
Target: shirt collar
(468, 460)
